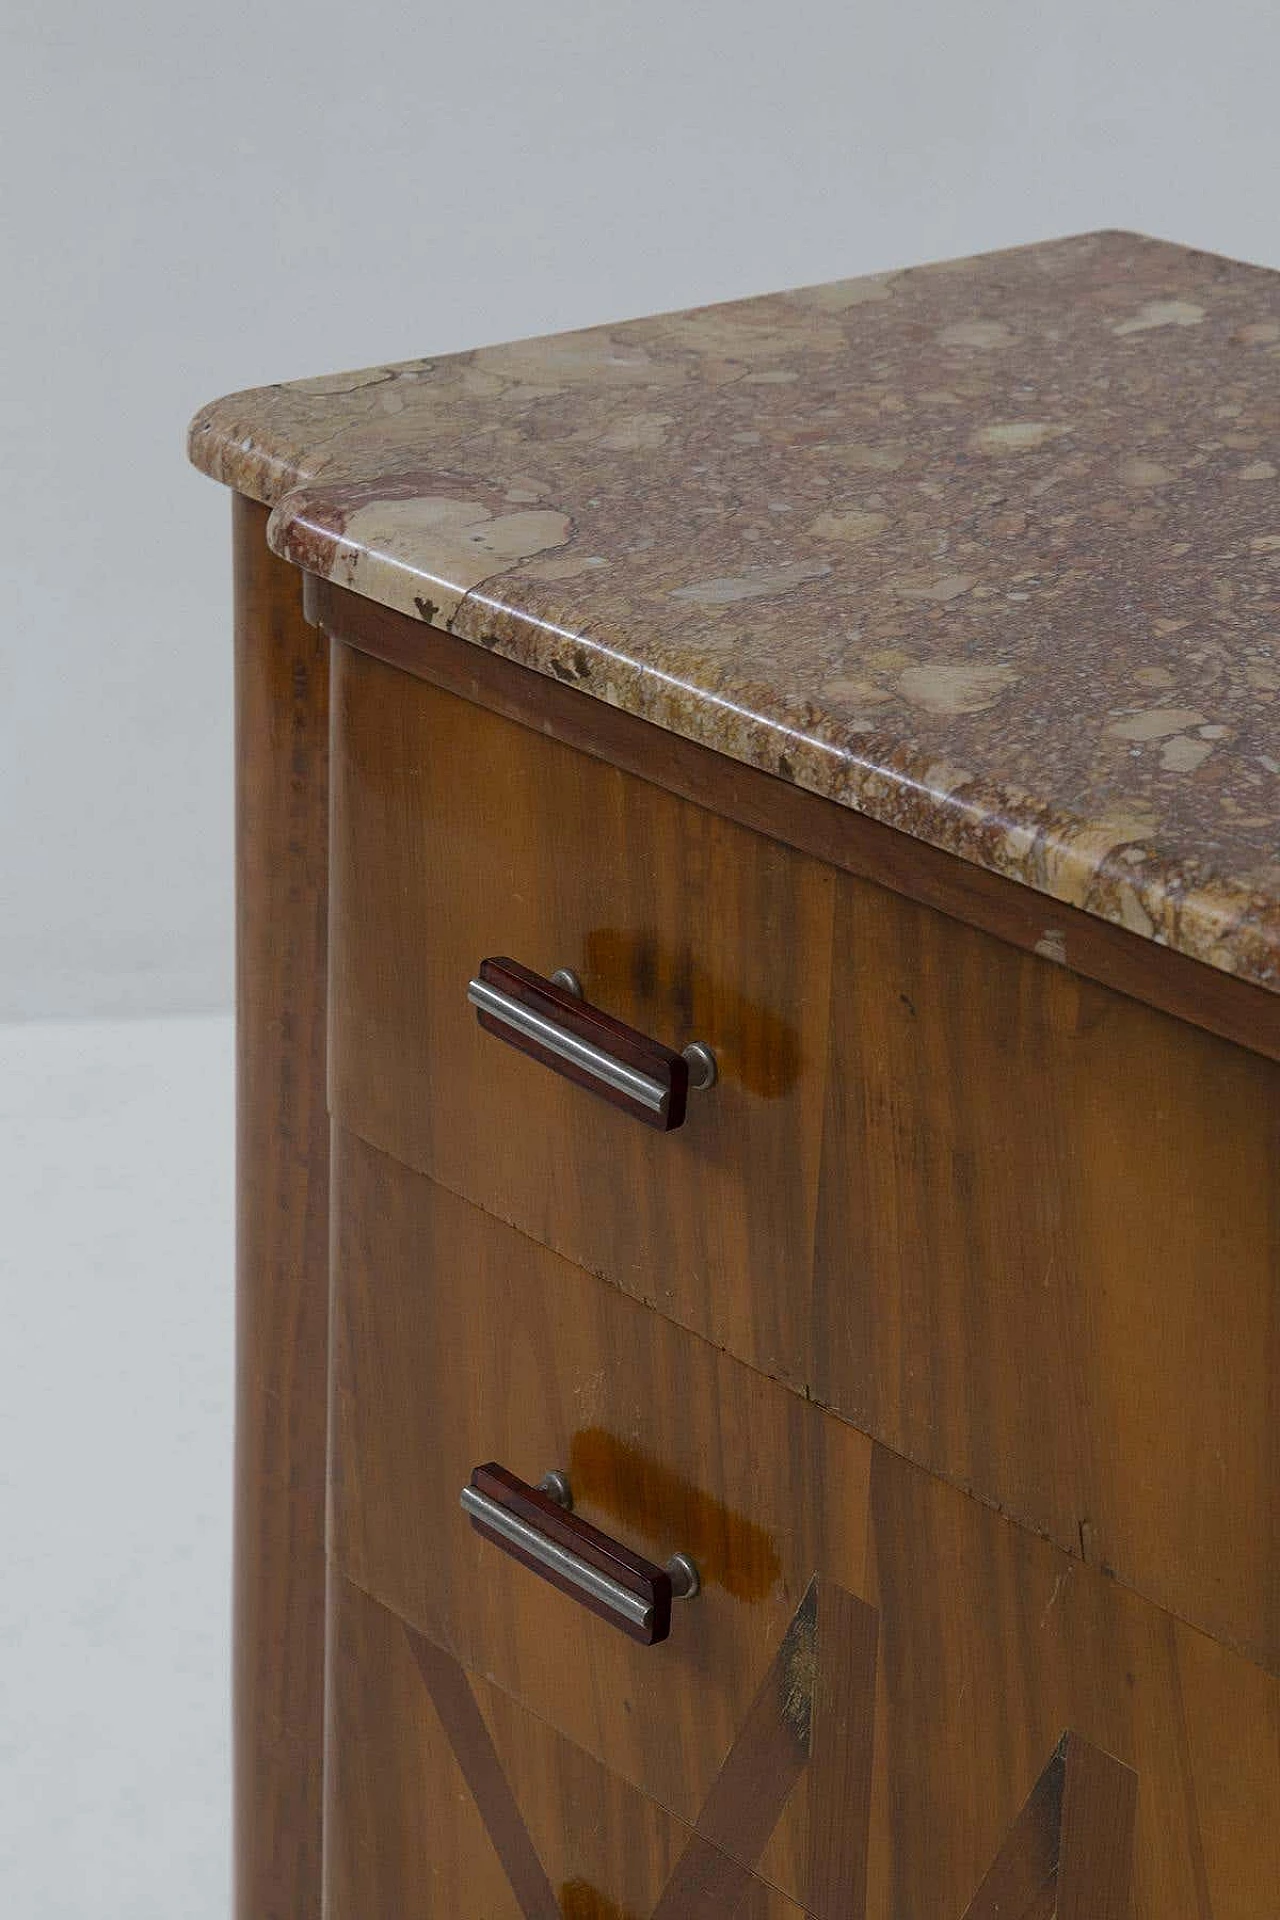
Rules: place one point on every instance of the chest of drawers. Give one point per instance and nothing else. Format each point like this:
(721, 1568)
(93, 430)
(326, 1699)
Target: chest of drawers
(759, 1265)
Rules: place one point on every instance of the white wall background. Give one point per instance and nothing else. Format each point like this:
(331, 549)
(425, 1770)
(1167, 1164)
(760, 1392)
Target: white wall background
(201, 198)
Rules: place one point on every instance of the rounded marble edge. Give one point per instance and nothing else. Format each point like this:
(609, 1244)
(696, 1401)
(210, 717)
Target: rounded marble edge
(1075, 861)
(223, 442)
(271, 443)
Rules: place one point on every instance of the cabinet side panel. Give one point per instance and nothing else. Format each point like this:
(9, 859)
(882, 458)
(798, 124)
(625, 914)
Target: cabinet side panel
(282, 700)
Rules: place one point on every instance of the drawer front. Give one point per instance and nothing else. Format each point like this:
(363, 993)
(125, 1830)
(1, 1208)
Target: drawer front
(885, 1697)
(446, 1801)
(459, 837)
(1022, 1229)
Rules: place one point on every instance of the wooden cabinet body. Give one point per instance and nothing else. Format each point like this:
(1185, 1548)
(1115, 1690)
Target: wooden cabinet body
(759, 1109)
(1015, 1225)
(878, 1669)
(943, 1337)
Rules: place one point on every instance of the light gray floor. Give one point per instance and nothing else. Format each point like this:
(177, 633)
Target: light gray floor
(115, 1437)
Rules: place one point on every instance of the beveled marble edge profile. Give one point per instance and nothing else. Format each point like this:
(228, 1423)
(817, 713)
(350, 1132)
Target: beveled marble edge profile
(543, 500)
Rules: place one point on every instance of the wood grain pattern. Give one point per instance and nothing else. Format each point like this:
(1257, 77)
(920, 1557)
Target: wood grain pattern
(454, 1336)
(448, 1325)
(404, 1835)
(1047, 1259)
(473, 1749)
(770, 1750)
(1023, 1881)
(1101, 951)
(457, 835)
(282, 683)
(1095, 1854)
(1069, 1853)
(841, 1752)
(1021, 1228)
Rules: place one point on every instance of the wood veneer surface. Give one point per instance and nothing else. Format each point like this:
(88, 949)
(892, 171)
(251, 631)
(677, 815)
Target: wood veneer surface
(445, 1799)
(1021, 1228)
(282, 1155)
(879, 1670)
(1102, 950)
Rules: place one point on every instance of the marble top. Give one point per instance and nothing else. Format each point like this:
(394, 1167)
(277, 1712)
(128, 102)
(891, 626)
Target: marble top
(989, 551)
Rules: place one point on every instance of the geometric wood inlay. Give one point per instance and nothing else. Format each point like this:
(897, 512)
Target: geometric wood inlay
(482, 1770)
(817, 1698)
(1069, 1853)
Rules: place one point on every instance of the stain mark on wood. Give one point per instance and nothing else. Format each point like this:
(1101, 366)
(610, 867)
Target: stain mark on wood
(646, 1497)
(578, 1901)
(755, 1047)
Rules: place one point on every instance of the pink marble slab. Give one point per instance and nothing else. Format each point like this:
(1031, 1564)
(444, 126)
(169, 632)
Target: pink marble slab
(989, 551)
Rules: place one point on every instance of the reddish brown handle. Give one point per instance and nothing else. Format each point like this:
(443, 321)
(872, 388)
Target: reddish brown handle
(581, 1042)
(631, 1593)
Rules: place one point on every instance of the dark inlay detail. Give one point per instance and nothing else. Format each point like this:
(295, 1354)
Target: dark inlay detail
(705, 1885)
(1069, 1853)
(841, 1750)
(1099, 1811)
(771, 1750)
(817, 1699)
(474, 1751)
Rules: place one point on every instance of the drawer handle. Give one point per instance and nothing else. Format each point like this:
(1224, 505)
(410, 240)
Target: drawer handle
(536, 1526)
(548, 1020)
